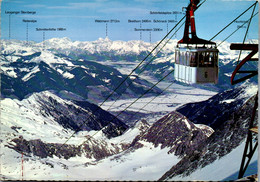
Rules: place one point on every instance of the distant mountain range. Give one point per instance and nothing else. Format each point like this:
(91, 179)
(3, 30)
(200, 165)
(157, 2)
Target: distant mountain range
(30, 69)
(61, 64)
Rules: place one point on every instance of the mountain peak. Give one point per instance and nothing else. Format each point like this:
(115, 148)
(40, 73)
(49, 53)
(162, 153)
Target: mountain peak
(106, 39)
(63, 39)
(216, 110)
(49, 104)
(174, 131)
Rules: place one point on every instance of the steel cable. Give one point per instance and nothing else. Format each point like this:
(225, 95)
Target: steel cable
(236, 30)
(233, 21)
(98, 108)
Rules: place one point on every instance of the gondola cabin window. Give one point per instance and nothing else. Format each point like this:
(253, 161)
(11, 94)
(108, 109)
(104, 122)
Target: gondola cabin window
(196, 65)
(177, 57)
(193, 59)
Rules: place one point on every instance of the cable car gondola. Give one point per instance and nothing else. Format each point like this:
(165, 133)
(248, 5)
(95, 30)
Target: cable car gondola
(196, 60)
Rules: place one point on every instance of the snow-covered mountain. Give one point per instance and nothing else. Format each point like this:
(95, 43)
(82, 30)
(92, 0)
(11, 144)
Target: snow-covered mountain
(25, 70)
(225, 146)
(91, 49)
(105, 46)
(45, 127)
(173, 148)
(39, 128)
(102, 46)
(217, 110)
(47, 109)
(175, 132)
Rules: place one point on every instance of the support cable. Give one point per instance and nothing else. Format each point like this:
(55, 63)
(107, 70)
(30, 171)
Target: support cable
(132, 73)
(138, 98)
(236, 30)
(160, 48)
(152, 99)
(142, 70)
(233, 21)
(210, 39)
(144, 93)
(125, 80)
(246, 32)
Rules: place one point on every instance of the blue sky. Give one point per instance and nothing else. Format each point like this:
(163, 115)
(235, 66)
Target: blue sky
(78, 18)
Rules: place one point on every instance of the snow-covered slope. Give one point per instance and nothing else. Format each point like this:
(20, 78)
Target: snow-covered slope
(39, 128)
(220, 155)
(173, 146)
(60, 117)
(223, 169)
(174, 131)
(33, 135)
(215, 111)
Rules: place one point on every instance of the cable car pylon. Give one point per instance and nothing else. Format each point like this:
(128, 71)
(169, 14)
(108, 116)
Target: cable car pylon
(196, 59)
